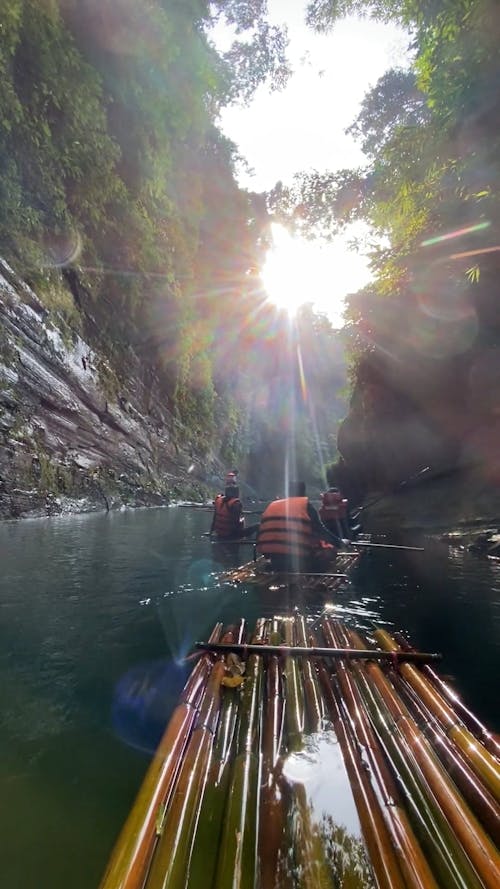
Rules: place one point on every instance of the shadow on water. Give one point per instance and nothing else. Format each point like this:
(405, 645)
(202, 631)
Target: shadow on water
(96, 612)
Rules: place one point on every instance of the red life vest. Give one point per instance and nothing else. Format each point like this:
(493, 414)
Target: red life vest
(285, 528)
(228, 521)
(333, 506)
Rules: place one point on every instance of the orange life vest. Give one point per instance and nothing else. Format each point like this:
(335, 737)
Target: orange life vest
(285, 528)
(333, 507)
(228, 521)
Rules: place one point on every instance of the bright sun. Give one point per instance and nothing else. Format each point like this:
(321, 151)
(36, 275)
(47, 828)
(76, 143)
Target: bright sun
(298, 271)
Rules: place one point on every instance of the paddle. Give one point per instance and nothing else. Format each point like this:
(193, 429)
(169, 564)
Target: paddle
(310, 574)
(413, 549)
(340, 653)
(230, 542)
(353, 543)
(393, 491)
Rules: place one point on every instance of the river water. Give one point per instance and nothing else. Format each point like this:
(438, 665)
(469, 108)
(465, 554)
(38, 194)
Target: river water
(96, 611)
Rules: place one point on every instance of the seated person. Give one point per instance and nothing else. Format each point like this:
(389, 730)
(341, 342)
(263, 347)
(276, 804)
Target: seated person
(292, 535)
(334, 512)
(228, 521)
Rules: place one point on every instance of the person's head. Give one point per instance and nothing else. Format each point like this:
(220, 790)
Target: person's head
(296, 489)
(231, 491)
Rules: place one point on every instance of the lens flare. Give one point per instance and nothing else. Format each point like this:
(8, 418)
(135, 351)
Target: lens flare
(456, 234)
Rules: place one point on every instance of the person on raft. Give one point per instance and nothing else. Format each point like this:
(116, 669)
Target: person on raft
(293, 537)
(334, 512)
(228, 521)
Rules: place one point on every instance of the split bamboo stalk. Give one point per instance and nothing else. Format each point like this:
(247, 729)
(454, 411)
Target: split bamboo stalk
(132, 853)
(412, 861)
(481, 760)
(474, 841)
(237, 861)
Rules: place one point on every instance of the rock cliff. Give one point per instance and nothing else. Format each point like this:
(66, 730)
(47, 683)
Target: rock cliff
(74, 437)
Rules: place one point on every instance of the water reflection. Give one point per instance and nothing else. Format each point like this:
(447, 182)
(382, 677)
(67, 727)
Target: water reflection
(95, 608)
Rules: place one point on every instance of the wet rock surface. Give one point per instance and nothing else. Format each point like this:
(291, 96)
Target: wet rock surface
(71, 440)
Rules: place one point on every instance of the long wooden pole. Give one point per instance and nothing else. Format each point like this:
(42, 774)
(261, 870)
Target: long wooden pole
(330, 653)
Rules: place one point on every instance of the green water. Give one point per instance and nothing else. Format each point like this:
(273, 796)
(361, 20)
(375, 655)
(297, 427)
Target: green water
(92, 609)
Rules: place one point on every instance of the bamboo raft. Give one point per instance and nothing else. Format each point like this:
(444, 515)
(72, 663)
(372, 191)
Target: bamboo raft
(224, 802)
(256, 573)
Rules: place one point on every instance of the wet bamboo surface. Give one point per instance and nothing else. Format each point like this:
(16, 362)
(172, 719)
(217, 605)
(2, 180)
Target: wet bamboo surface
(258, 574)
(314, 773)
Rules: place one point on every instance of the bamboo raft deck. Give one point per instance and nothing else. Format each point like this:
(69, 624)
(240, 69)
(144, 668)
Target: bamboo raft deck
(258, 574)
(224, 803)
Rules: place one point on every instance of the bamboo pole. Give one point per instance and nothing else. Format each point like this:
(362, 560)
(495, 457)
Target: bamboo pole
(453, 699)
(294, 690)
(474, 841)
(311, 867)
(273, 717)
(310, 870)
(471, 787)
(134, 847)
(314, 703)
(237, 861)
(413, 863)
(170, 861)
(295, 651)
(203, 860)
(446, 857)
(378, 843)
(481, 760)
(272, 812)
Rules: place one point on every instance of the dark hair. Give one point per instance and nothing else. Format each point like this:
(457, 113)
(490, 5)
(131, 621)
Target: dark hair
(232, 491)
(296, 489)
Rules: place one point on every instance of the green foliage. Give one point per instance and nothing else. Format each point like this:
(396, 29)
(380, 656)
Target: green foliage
(115, 177)
(430, 192)
(53, 127)
(257, 55)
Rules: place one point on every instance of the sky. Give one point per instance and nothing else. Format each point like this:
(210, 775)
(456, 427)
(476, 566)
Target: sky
(303, 128)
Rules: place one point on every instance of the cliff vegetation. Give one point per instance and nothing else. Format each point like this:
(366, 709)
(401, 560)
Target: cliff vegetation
(425, 364)
(139, 356)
